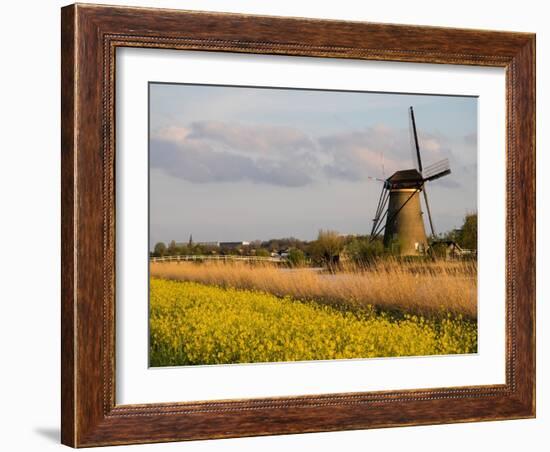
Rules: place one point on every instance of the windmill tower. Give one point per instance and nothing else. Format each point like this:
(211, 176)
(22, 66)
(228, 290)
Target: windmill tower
(399, 211)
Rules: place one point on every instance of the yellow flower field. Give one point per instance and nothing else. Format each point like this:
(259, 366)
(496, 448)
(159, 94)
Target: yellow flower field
(193, 323)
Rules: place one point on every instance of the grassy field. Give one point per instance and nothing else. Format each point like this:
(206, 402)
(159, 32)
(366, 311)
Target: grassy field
(428, 289)
(195, 323)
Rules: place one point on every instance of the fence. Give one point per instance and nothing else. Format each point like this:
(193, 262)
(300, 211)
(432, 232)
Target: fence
(218, 258)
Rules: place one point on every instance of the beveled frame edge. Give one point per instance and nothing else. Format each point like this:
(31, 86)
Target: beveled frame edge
(90, 35)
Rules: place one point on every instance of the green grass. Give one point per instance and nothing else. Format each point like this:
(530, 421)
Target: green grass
(192, 323)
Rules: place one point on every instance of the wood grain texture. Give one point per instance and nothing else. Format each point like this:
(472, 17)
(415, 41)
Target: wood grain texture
(68, 245)
(90, 36)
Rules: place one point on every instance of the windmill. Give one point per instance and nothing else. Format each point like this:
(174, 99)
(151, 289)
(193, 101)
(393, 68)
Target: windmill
(399, 212)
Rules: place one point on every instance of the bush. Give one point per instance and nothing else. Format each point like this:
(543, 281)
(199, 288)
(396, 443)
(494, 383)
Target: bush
(160, 249)
(364, 252)
(327, 248)
(262, 252)
(296, 257)
(468, 234)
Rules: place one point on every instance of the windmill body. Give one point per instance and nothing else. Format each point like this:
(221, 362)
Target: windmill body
(404, 232)
(399, 212)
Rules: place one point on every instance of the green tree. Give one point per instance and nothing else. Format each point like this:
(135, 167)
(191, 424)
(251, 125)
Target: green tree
(172, 248)
(296, 257)
(160, 249)
(274, 245)
(262, 252)
(468, 232)
(362, 251)
(326, 249)
(198, 250)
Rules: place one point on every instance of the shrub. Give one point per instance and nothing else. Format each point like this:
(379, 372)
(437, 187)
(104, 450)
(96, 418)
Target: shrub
(326, 249)
(364, 252)
(296, 257)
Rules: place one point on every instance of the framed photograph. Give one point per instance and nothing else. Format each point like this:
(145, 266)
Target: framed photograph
(282, 225)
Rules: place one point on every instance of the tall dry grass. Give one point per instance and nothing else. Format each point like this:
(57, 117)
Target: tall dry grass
(426, 289)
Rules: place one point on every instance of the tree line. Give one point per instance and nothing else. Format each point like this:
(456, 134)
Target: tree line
(327, 250)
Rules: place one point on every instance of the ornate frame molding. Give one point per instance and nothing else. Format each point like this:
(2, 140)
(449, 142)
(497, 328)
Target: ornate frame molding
(90, 37)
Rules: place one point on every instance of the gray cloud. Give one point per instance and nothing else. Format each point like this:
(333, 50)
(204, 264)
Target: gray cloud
(376, 152)
(199, 162)
(215, 151)
(252, 139)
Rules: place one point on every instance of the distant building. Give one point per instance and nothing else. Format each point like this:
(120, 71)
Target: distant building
(450, 250)
(209, 244)
(224, 245)
(233, 245)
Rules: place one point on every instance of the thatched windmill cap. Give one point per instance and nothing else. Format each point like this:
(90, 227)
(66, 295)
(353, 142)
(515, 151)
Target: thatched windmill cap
(409, 178)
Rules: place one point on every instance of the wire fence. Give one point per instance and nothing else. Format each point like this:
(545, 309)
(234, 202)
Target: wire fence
(223, 258)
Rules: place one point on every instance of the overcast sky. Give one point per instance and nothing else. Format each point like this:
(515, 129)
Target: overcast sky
(236, 163)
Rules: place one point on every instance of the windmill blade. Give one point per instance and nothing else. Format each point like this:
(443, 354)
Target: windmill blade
(375, 178)
(414, 159)
(436, 167)
(428, 210)
(382, 202)
(416, 147)
(437, 175)
(437, 170)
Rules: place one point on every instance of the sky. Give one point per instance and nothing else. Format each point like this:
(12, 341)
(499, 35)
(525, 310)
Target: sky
(243, 163)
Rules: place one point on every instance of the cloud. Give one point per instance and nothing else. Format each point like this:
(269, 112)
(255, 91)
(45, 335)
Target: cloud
(255, 139)
(213, 151)
(172, 133)
(376, 151)
(216, 151)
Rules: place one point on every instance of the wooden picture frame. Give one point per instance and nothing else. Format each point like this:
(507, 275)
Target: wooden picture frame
(90, 36)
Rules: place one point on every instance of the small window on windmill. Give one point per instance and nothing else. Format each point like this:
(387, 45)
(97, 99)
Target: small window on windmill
(416, 246)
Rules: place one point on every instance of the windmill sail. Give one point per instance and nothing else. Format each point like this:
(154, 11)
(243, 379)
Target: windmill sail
(419, 168)
(418, 160)
(437, 170)
(414, 158)
(428, 210)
